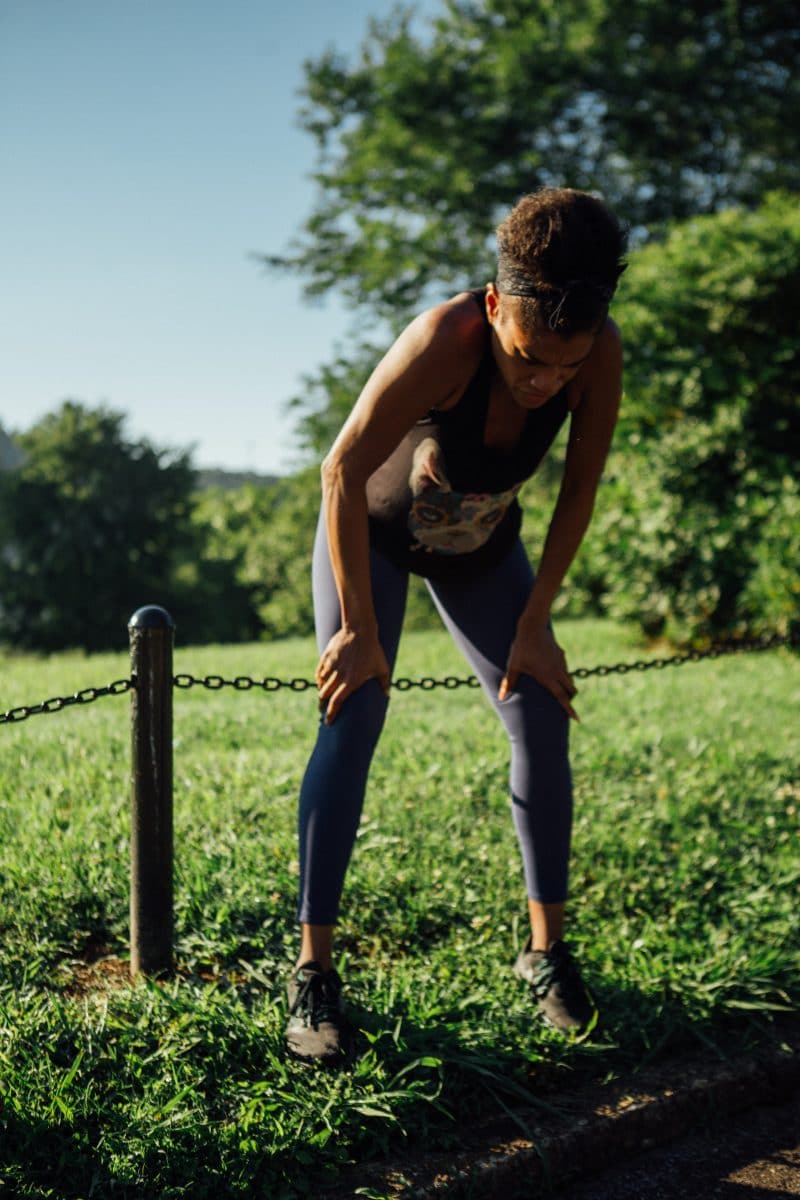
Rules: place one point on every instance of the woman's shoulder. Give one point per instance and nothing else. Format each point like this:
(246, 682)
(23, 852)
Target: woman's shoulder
(602, 372)
(458, 323)
(453, 334)
(605, 357)
(608, 343)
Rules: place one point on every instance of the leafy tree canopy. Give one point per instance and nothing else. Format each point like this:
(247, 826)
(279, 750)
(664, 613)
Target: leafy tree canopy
(94, 525)
(266, 535)
(697, 524)
(667, 110)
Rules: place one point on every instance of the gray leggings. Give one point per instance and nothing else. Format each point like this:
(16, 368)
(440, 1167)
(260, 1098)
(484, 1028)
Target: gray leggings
(481, 614)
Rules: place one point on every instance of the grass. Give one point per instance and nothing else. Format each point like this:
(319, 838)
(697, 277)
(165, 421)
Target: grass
(685, 878)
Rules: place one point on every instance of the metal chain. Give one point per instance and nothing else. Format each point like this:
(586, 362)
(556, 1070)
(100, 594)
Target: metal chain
(244, 683)
(56, 703)
(767, 642)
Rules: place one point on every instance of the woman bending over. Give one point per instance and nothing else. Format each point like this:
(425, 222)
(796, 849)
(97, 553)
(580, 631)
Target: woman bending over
(424, 477)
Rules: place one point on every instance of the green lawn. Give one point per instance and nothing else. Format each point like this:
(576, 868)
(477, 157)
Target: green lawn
(684, 880)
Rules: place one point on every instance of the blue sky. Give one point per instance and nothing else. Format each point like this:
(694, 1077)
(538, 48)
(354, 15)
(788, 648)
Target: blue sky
(147, 149)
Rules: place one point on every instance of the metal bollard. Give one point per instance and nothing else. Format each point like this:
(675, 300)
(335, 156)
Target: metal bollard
(151, 631)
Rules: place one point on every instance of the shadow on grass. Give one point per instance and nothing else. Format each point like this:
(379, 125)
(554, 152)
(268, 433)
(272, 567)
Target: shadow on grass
(448, 1082)
(489, 1095)
(535, 1069)
(39, 1159)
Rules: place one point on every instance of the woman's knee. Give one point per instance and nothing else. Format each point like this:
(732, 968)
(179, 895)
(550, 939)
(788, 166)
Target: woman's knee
(533, 715)
(361, 718)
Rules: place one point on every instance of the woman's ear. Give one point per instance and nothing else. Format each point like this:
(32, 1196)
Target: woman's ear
(492, 303)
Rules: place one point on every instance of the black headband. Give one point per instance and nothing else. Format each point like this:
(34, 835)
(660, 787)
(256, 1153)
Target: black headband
(514, 282)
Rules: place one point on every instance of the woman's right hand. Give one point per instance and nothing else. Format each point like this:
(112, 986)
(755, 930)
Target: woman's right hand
(350, 658)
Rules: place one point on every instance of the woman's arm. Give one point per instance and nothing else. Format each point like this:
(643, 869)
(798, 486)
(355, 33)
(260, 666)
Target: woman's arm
(535, 651)
(429, 364)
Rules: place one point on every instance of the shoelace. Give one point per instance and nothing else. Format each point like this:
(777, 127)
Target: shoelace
(318, 999)
(556, 967)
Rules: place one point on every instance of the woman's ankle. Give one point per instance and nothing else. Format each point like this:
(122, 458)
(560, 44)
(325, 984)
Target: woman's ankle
(547, 924)
(316, 945)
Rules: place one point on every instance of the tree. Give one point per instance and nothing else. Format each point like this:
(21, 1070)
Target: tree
(670, 112)
(266, 536)
(266, 533)
(667, 110)
(95, 525)
(698, 517)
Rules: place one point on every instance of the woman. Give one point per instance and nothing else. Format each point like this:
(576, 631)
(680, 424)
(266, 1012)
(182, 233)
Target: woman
(423, 477)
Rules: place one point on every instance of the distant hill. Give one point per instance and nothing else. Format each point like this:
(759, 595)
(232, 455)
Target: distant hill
(215, 477)
(211, 477)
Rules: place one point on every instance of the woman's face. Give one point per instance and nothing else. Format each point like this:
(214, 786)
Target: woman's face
(535, 364)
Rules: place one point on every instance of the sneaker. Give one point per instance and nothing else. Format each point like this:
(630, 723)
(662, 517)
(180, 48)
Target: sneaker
(317, 1029)
(557, 986)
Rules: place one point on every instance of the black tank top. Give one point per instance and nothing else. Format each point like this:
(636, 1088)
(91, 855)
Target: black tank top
(444, 504)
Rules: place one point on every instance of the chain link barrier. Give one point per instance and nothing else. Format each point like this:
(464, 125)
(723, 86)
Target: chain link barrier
(57, 703)
(245, 683)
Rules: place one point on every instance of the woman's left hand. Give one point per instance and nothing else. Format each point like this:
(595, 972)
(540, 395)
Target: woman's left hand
(536, 652)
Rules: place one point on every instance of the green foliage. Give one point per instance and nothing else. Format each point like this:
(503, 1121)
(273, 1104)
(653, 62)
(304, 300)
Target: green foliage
(427, 138)
(95, 526)
(266, 534)
(687, 793)
(697, 522)
(771, 596)
(696, 527)
(422, 143)
(424, 140)
(707, 318)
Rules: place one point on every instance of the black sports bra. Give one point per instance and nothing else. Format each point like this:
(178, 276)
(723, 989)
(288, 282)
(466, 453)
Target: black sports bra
(443, 504)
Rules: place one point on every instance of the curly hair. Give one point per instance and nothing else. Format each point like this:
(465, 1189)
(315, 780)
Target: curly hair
(562, 252)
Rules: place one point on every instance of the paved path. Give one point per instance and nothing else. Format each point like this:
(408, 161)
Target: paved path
(631, 1140)
(754, 1155)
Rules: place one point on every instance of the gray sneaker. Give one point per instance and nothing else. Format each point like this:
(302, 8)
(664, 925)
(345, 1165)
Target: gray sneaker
(317, 1029)
(557, 987)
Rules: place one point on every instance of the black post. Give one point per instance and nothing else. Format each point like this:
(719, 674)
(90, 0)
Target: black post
(151, 630)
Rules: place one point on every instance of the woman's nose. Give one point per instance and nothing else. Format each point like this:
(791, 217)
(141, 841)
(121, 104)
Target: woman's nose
(546, 377)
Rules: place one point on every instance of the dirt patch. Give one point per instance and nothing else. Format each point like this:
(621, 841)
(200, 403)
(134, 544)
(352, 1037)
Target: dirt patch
(754, 1155)
(96, 972)
(591, 1130)
(95, 978)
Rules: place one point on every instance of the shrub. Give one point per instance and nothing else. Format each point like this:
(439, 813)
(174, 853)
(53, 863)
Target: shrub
(697, 527)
